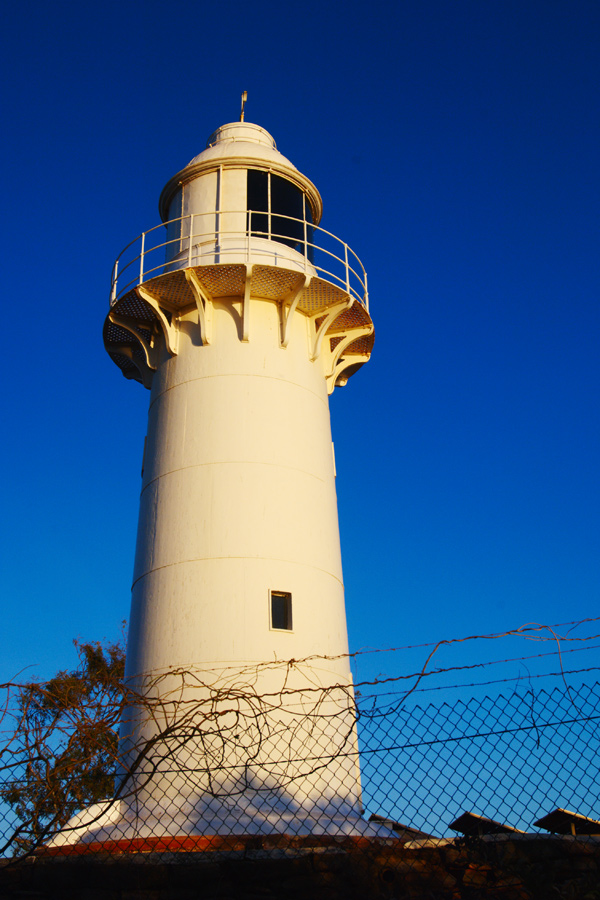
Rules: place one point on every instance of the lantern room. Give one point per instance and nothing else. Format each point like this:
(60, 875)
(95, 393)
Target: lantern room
(240, 193)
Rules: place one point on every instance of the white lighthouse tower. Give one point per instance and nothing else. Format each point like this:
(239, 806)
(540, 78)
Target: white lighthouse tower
(240, 315)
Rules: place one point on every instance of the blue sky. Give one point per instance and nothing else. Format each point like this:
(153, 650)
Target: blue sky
(455, 146)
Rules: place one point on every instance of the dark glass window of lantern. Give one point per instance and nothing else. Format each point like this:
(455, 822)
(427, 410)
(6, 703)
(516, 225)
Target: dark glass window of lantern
(278, 198)
(258, 201)
(281, 610)
(286, 200)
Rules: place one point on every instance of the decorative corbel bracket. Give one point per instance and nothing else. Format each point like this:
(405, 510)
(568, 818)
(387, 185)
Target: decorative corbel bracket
(352, 336)
(334, 368)
(129, 325)
(124, 350)
(204, 304)
(331, 316)
(286, 316)
(170, 329)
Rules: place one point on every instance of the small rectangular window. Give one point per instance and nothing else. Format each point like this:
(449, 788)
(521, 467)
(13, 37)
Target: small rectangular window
(281, 610)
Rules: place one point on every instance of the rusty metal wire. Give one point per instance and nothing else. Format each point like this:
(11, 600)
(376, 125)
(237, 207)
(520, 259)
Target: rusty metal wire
(195, 750)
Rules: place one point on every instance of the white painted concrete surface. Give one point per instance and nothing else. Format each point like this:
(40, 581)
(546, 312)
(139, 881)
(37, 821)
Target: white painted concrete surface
(238, 499)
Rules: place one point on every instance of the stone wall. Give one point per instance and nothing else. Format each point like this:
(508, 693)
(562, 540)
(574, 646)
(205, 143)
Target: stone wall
(531, 867)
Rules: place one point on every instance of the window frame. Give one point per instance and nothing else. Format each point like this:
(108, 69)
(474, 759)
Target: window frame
(296, 243)
(289, 617)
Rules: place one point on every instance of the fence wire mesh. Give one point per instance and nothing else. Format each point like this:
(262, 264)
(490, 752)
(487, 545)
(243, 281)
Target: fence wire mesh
(511, 758)
(225, 766)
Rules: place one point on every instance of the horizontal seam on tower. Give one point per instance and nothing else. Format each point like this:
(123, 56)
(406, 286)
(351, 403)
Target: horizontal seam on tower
(231, 462)
(243, 375)
(205, 558)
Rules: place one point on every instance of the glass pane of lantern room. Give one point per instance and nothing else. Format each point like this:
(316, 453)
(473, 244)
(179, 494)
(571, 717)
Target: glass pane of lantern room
(286, 200)
(173, 238)
(258, 201)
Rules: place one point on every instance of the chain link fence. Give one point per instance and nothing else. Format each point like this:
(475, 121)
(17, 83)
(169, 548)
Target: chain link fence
(231, 768)
(512, 758)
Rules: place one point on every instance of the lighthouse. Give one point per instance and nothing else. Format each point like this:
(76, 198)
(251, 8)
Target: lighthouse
(241, 315)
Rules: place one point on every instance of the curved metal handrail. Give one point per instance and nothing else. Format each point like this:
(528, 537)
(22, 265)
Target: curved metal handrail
(143, 258)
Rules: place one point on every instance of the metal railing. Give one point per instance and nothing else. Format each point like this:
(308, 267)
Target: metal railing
(296, 242)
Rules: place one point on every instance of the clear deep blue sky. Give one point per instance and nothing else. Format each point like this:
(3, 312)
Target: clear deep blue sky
(455, 145)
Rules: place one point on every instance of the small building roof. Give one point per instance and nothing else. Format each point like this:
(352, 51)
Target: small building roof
(471, 824)
(403, 831)
(563, 821)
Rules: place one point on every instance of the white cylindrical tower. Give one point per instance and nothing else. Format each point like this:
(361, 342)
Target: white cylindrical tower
(241, 316)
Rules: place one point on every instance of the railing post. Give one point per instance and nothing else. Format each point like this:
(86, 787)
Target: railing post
(305, 241)
(142, 258)
(249, 235)
(190, 247)
(347, 267)
(113, 292)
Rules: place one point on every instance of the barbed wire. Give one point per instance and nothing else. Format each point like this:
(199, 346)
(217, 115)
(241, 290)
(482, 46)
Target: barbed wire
(514, 679)
(264, 729)
(522, 631)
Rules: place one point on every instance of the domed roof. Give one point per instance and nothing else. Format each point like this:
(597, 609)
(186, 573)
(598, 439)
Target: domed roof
(241, 139)
(240, 143)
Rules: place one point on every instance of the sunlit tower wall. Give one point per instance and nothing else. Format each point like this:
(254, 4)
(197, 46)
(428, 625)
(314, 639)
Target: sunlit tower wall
(241, 336)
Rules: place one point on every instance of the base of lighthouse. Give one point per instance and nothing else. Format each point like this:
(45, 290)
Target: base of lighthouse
(116, 826)
(169, 802)
(282, 762)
